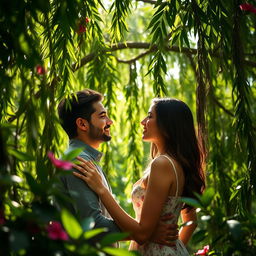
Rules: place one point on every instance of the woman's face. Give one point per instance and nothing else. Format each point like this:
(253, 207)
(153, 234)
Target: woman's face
(151, 131)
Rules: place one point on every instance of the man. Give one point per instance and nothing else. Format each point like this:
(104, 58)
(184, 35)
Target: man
(87, 124)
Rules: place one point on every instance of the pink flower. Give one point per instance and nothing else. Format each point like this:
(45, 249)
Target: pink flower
(204, 251)
(40, 70)
(247, 7)
(56, 232)
(65, 165)
(87, 20)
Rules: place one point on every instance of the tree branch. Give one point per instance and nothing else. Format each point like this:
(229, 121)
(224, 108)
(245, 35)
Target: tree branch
(134, 59)
(144, 45)
(215, 100)
(130, 45)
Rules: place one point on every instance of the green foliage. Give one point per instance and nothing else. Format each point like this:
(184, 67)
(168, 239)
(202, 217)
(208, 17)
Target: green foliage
(71, 225)
(202, 52)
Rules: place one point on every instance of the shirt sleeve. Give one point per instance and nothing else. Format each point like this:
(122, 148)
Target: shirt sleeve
(86, 203)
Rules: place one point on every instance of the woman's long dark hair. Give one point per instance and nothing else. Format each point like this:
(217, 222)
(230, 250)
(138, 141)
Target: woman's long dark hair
(175, 121)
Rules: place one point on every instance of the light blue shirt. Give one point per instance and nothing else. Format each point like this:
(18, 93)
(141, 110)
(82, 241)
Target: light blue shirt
(84, 201)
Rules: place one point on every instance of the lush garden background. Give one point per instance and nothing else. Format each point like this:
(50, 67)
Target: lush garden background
(202, 52)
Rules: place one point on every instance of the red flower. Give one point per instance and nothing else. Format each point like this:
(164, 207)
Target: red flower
(65, 165)
(82, 25)
(56, 232)
(204, 251)
(40, 70)
(81, 29)
(247, 7)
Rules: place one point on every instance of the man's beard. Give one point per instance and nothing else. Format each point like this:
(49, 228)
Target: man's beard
(97, 134)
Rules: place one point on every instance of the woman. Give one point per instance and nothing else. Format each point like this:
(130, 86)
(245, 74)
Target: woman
(175, 171)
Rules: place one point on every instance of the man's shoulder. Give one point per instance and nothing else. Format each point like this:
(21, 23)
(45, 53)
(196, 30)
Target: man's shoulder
(85, 155)
(82, 154)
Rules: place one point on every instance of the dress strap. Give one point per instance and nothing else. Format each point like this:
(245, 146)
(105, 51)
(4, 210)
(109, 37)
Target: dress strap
(174, 168)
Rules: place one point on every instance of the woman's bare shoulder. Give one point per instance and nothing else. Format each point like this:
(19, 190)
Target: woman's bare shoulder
(164, 160)
(162, 164)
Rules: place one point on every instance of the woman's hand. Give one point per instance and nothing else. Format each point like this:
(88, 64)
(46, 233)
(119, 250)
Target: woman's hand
(89, 173)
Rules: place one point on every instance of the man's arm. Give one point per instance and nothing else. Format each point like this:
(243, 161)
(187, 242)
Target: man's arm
(187, 231)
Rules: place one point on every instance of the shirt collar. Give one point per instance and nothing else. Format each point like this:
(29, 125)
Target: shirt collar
(94, 153)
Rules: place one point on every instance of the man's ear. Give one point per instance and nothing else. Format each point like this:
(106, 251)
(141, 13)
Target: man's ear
(82, 124)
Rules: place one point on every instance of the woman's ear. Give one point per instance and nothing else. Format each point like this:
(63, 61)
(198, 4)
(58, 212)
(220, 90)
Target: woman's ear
(82, 124)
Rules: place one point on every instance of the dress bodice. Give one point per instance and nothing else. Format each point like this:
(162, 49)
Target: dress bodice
(172, 204)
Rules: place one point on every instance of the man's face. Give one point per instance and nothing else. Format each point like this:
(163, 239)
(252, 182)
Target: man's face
(99, 126)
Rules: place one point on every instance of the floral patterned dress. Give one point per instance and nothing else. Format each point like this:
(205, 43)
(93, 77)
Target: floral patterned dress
(172, 205)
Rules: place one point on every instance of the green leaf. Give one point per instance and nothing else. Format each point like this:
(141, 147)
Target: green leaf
(24, 44)
(170, 18)
(71, 224)
(91, 233)
(34, 186)
(10, 179)
(185, 38)
(192, 202)
(112, 238)
(155, 19)
(163, 28)
(72, 154)
(233, 195)
(20, 155)
(175, 36)
(207, 197)
(199, 236)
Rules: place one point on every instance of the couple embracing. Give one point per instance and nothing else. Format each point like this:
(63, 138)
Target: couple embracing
(176, 170)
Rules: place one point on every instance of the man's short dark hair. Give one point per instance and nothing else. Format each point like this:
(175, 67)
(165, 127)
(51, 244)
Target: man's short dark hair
(78, 105)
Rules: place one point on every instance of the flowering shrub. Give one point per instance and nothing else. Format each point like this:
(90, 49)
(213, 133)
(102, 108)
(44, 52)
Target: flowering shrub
(39, 228)
(40, 70)
(56, 232)
(204, 251)
(247, 7)
(61, 164)
(82, 27)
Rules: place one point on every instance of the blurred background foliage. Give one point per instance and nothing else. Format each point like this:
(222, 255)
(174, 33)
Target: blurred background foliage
(200, 51)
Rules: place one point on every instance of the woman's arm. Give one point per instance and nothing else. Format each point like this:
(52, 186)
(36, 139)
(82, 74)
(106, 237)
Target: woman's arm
(160, 179)
(187, 231)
